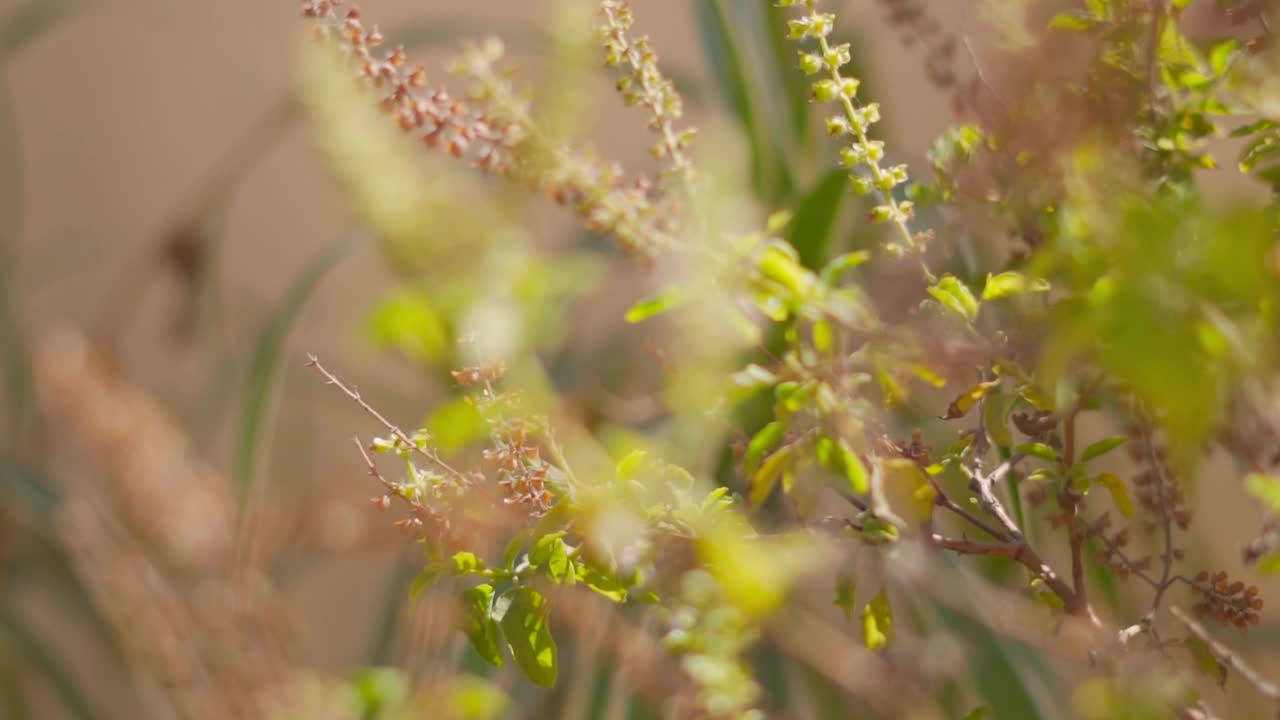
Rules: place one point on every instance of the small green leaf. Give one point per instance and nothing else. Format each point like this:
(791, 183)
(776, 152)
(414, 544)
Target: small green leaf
(1102, 447)
(664, 301)
(480, 627)
(854, 471)
(1119, 492)
(955, 296)
(466, 562)
(977, 713)
(1265, 488)
(877, 622)
(1012, 283)
(1040, 450)
(762, 442)
(529, 635)
(832, 271)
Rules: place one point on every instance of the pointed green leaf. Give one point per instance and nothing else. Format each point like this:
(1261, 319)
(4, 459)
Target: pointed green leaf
(664, 301)
(1102, 447)
(525, 625)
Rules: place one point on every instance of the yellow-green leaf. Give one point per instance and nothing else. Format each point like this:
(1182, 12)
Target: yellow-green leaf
(766, 476)
(955, 296)
(1119, 492)
(664, 301)
(967, 399)
(1012, 283)
(1265, 488)
(877, 622)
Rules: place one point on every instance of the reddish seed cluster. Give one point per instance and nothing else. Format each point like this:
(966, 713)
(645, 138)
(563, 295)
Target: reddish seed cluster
(469, 376)
(441, 121)
(1157, 490)
(646, 86)
(523, 472)
(915, 449)
(1230, 603)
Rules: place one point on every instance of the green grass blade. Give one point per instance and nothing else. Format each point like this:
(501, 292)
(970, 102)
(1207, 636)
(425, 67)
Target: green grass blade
(770, 175)
(792, 80)
(43, 661)
(1001, 668)
(267, 352)
(30, 22)
(13, 352)
(393, 610)
(815, 216)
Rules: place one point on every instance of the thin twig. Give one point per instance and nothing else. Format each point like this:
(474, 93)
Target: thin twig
(331, 379)
(1166, 521)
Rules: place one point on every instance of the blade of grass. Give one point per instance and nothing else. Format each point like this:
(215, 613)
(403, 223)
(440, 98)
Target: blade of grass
(815, 216)
(267, 352)
(30, 22)
(393, 610)
(42, 660)
(17, 373)
(792, 80)
(1000, 670)
(770, 175)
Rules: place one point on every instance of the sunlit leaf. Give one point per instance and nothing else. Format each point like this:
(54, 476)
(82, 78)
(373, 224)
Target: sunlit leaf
(529, 636)
(1012, 283)
(966, 400)
(762, 442)
(1265, 488)
(480, 627)
(664, 301)
(549, 552)
(955, 296)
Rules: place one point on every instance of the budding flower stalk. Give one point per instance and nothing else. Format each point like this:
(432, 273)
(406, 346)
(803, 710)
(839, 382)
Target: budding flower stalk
(853, 123)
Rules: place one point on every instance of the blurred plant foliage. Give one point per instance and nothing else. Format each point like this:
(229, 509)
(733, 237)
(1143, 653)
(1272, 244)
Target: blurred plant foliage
(857, 440)
(933, 375)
